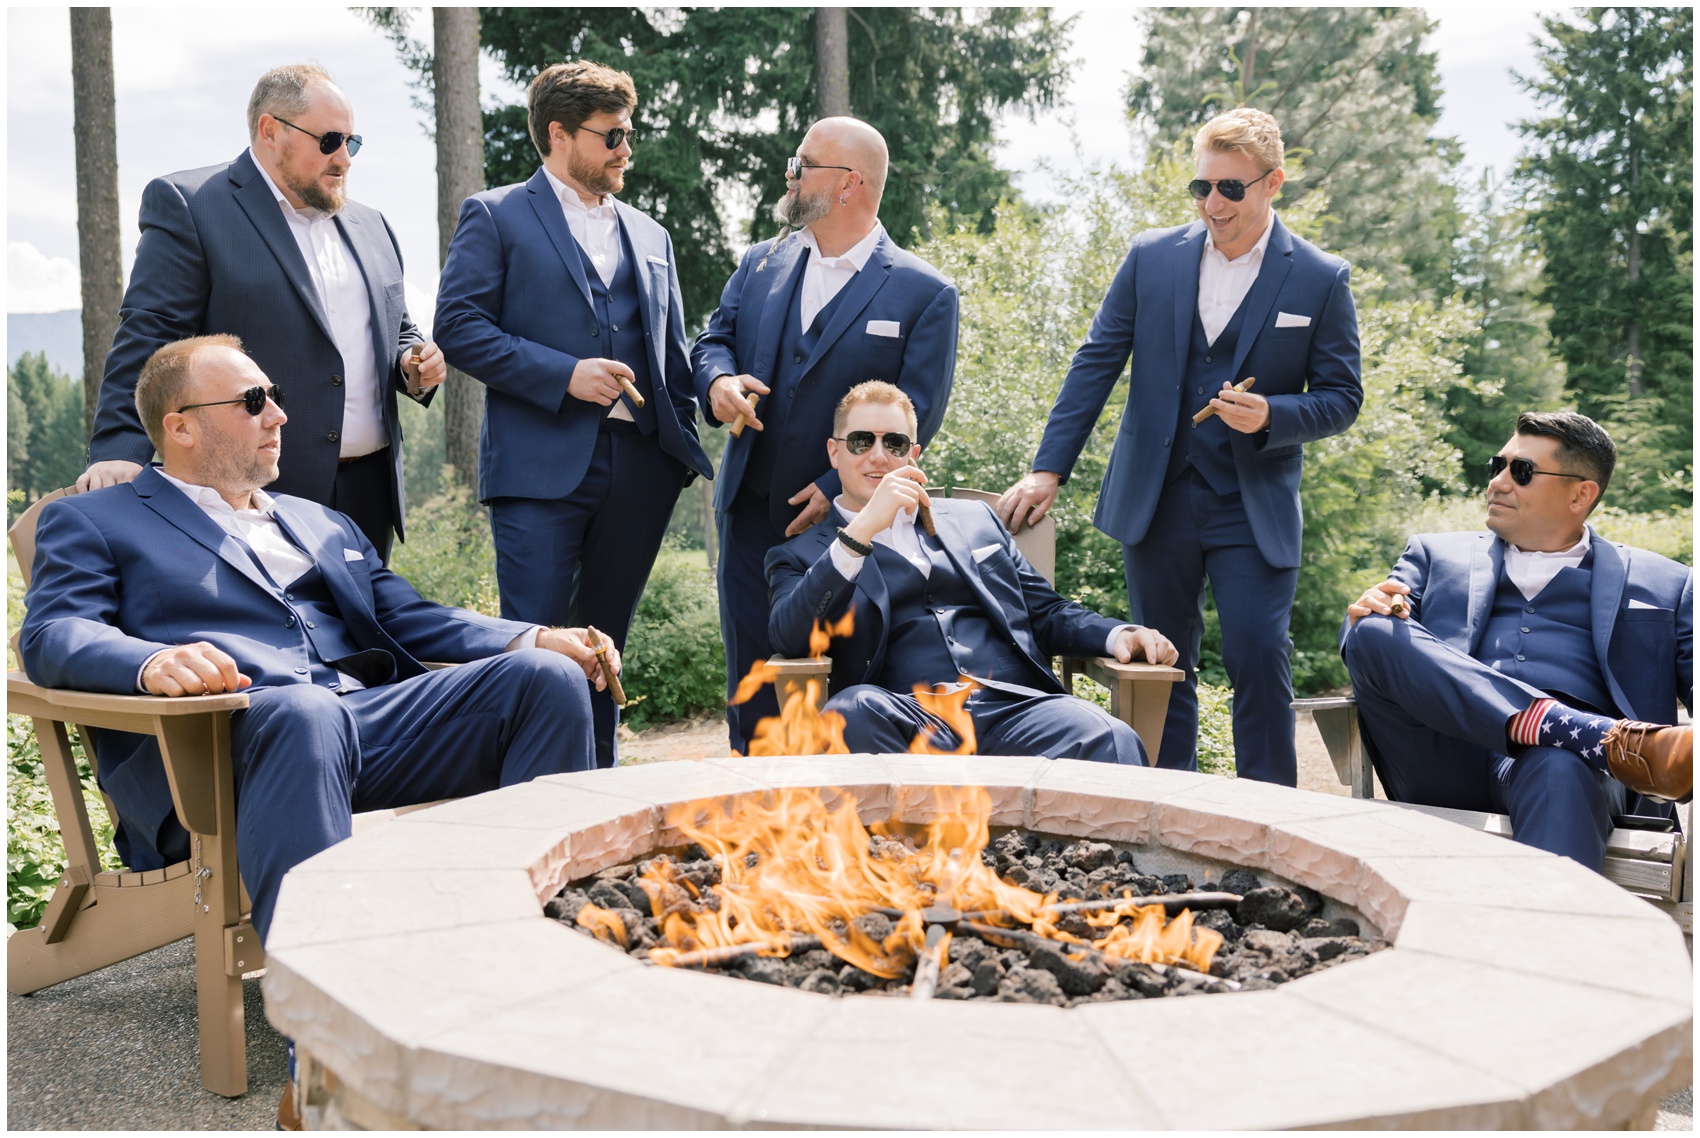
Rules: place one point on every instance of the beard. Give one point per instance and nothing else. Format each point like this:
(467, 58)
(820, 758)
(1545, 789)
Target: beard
(597, 177)
(795, 211)
(236, 469)
(315, 195)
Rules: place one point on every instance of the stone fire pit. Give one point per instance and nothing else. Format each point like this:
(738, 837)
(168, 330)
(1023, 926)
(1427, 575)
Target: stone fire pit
(423, 985)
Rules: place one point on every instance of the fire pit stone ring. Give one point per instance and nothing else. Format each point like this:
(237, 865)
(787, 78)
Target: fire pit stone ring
(424, 987)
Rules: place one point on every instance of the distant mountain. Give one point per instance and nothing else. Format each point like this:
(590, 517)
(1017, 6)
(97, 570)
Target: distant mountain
(59, 334)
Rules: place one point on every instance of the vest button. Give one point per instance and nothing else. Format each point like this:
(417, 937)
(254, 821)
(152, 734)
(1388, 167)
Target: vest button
(595, 331)
(301, 671)
(289, 596)
(1200, 391)
(310, 624)
(1519, 655)
(1525, 628)
(1166, 442)
(1206, 359)
(791, 393)
(615, 327)
(290, 623)
(1528, 608)
(332, 437)
(336, 381)
(797, 359)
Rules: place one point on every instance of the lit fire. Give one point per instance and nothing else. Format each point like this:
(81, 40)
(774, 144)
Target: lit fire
(794, 866)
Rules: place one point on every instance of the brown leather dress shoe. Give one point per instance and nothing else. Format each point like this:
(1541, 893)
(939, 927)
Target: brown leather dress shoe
(1652, 760)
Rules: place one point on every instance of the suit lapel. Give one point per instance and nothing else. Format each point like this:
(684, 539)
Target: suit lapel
(174, 506)
(854, 298)
(1484, 579)
(652, 297)
(1188, 250)
(1607, 581)
(783, 277)
(255, 198)
(548, 209)
(1277, 263)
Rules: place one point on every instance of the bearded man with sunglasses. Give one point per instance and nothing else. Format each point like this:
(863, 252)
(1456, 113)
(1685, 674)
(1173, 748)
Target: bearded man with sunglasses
(1204, 479)
(959, 612)
(191, 580)
(830, 302)
(564, 302)
(1532, 670)
(269, 248)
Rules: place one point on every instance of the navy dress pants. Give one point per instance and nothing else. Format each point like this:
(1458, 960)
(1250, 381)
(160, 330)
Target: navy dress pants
(1195, 534)
(584, 559)
(881, 722)
(1433, 720)
(746, 535)
(307, 759)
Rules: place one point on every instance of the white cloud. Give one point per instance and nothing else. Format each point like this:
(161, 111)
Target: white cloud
(36, 283)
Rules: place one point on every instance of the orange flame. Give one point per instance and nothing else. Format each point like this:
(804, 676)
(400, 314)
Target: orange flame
(952, 707)
(603, 924)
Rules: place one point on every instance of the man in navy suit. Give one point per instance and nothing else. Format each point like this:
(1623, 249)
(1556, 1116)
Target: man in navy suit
(268, 248)
(564, 302)
(1233, 296)
(804, 318)
(189, 580)
(957, 614)
(1527, 670)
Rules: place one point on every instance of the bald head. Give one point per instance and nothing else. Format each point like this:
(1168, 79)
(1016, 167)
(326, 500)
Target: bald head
(853, 143)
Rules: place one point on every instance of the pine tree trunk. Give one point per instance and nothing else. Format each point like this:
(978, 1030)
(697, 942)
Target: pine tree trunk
(832, 63)
(99, 245)
(460, 173)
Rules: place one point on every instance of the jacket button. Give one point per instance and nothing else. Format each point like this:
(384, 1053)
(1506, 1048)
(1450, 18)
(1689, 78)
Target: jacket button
(290, 623)
(797, 359)
(615, 327)
(310, 624)
(1200, 391)
(301, 671)
(1166, 442)
(1206, 359)
(1529, 608)
(333, 436)
(289, 596)
(336, 381)
(791, 393)
(1525, 628)
(595, 331)
(1520, 655)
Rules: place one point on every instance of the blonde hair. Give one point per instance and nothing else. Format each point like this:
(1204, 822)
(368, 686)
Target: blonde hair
(284, 92)
(1251, 132)
(163, 385)
(873, 391)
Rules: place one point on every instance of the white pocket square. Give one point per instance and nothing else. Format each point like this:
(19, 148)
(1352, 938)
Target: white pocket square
(885, 328)
(1635, 604)
(1291, 320)
(984, 552)
(352, 555)
(654, 260)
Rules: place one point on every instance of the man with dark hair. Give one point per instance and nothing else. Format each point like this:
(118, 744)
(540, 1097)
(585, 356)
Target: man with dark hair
(830, 302)
(564, 302)
(1528, 670)
(190, 580)
(957, 614)
(269, 248)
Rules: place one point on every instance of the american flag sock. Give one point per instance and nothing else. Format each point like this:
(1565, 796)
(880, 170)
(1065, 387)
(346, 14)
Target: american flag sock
(1549, 723)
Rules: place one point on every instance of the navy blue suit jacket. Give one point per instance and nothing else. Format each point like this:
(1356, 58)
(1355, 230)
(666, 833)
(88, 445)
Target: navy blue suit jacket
(1311, 376)
(1645, 650)
(742, 338)
(216, 255)
(514, 312)
(123, 572)
(806, 588)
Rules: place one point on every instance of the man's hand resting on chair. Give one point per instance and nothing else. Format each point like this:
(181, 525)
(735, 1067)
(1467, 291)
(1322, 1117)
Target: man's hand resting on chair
(1147, 643)
(191, 669)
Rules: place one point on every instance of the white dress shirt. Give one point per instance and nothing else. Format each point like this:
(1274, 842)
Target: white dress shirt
(348, 306)
(1531, 571)
(1223, 284)
(282, 560)
(597, 231)
(900, 537)
(825, 277)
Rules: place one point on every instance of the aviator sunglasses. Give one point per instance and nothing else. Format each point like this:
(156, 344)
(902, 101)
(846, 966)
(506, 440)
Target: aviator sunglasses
(613, 136)
(861, 442)
(1231, 188)
(253, 400)
(331, 141)
(1523, 471)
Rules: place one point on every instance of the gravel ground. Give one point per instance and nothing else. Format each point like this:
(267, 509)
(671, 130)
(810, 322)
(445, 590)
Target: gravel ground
(117, 1050)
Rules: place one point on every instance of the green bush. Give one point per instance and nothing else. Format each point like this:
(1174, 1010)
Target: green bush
(449, 555)
(675, 660)
(35, 854)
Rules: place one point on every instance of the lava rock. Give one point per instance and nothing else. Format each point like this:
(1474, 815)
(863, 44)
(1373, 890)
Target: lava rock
(1278, 956)
(1142, 979)
(1239, 881)
(1331, 947)
(822, 980)
(1272, 907)
(1312, 899)
(1032, 986)
(1145, 885)
(875, 926)
(1219, 921)
(856, 980)
(958, 981)
(1088, 856)
(565, 905)
(1340, 926)
(969, 952)
(636, 895)
(1010, 848)
(988, 974)
(1075, 924)
(1177, 883)
(608, 895)
(763, 969)
(815, 958)
(1075, 977)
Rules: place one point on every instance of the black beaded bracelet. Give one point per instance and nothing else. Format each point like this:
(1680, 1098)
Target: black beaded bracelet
(853, 545)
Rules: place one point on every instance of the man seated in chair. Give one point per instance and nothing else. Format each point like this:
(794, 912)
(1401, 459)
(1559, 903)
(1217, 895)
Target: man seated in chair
(191, 581)
(1507, 671)
(963, 608)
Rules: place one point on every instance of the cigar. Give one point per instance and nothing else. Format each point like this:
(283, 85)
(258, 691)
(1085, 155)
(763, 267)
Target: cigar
(1397, 604)
(631, 391)
(418, 352)
(600, 643)
(743, 420)
(1243, 385)
(925, 514)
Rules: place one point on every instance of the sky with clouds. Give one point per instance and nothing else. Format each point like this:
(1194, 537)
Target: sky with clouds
(183, 78)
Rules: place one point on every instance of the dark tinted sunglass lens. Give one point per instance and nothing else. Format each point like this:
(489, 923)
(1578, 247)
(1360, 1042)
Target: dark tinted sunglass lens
(1198, 188)
(1522, 471)
(616, 136)
(275, 394)
(355, 142)
(1496, 464)
(1231, 188)
(897, 444)
(254, 400)
(859, 442)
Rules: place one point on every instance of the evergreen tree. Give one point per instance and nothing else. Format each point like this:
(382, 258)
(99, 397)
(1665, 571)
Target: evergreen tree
(1356, 95)
(1610, 183)
(49, 451)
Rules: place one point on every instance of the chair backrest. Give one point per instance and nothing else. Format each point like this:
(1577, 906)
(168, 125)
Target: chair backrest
(1038, 543)
(22, 533)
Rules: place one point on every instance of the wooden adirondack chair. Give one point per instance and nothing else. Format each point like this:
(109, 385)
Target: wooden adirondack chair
(1139, 693)
(99, 918)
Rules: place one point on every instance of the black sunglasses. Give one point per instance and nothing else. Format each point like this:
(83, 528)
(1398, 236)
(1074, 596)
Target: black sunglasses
(331, 141)
(861, 442)
(253, 400)
(1523, 471)
(613, 136)
(795, 166)
(1231, 188)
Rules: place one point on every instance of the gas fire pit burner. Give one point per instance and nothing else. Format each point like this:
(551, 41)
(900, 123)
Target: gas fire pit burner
(424, 986)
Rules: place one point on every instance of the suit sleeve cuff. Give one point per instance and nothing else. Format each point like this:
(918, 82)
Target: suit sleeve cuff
(526, 639)
(144, 668)
(1110, 640)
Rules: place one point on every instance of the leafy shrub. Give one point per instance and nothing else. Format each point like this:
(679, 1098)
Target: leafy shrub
(449, 555)
(675, 660)
(35, 853)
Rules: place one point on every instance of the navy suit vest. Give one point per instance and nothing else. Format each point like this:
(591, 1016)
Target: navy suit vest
(1207, 446)
(333, 648)
(939, 629)
(1548, 641)
(619, 328)
(796, 344)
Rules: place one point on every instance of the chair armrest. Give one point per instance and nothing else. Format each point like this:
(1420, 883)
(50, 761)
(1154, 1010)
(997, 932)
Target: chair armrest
(792, 674)
(1110, 666)
(1336, 718)
(1139, 693)
(115, 712)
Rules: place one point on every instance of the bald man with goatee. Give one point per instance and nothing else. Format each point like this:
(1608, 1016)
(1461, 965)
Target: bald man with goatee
(829, 303)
